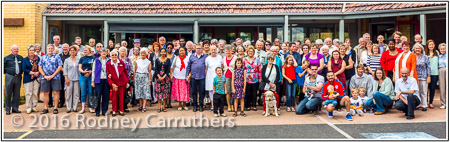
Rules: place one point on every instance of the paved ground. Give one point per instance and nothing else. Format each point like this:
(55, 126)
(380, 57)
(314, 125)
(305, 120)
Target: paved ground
(393, 125)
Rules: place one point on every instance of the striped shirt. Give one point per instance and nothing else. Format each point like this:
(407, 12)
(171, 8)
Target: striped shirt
(374, 62)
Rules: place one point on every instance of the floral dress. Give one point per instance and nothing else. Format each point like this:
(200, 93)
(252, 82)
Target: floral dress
(239, 83)
(162, 88)
(253, 72)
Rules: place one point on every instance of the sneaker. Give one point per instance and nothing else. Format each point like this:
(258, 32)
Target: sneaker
(352, 112)
(215, 115)
(223, 115)
(442, 107)
(179, 109)
(349, 117)
(330, 114)
(186, 108)
(360, 112)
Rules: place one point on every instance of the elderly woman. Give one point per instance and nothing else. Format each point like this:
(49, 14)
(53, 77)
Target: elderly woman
(337, 65)
(240, 52)
(279, 62)
(129, 67)
(100, 82)
(253, 67)
(72, 77)
(162, 80)
(212, 62)
(180, 89)
(85, 68)
(270, 76)
(406, 59)
(442, 73)
(432, 54)
(383, 93)
(30, 83)
(141, 80)
(117, 79)
(423, 73)
(229, 64)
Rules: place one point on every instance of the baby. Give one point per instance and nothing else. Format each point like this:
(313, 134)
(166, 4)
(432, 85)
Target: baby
(331, 92)
(312, 83)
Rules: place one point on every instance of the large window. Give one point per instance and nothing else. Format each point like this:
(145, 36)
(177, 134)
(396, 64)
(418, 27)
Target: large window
(314, 32)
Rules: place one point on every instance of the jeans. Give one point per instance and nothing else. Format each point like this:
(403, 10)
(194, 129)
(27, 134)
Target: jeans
(381, 102)
(432, 87)
(307, 105)
(290, 94)
(198, 85)
(413, 102)
(86, 88)
(102, 92)
(219, 102)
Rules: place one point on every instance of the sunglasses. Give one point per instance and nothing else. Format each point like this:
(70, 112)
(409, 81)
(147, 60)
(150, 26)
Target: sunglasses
(314, 69)
(113, 55)
(267, 44)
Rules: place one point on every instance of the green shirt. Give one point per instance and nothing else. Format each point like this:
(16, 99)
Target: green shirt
(219, 84)
(434, 64)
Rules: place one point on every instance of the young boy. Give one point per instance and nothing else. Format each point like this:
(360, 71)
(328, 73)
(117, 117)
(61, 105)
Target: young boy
(300, 73)
(312, 83)
(331, 91)
(356, 103)
(219, 91)
(362, 94)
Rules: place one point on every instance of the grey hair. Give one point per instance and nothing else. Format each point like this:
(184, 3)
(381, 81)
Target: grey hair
(56, 36)
(327, 39)
(270, 56)
(222, 41)
(214, 40)
(273, 48)
(189, 42)
(442, 44)
(228, 47)
(48, 45)
(361, 38)
(14, 46)
(37, 44)
(123, 48)
(113, 51)
(143, 50)
(98, 44)
(103, 50)
(29, 47)
(66, 44)
(419, 45)
(366, 34)
(248, 41)
(212, 47)
(161, 37)
(319, 41)
(336, 41)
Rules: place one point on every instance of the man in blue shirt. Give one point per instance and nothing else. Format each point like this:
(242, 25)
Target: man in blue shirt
(407, 94)
(196, 70)
(293, 51)
(49, 66)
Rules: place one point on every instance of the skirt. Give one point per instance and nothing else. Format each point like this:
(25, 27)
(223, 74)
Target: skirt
(141, 87)
(162, 88)
(180, 90)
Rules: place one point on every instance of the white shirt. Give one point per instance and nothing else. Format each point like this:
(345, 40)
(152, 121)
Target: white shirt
(212, 63)
(176, 65)
(364, 57)
(115, 67)
(410, 84)
(356, 102)
(142, 65)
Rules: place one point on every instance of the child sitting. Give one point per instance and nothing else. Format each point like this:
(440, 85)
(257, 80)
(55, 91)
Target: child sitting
(331, 93)
(356, 103)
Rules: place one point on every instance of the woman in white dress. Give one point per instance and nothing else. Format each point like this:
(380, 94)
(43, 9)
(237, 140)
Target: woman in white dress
(212, 62)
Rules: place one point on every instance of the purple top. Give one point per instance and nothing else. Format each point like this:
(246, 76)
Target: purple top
(315, 61)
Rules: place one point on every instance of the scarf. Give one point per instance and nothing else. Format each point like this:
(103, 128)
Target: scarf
(182, 62)
(35, 64)
(397, 68)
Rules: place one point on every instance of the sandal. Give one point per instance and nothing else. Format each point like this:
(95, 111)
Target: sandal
(235, 114)
(164, 110)
(139, 109)
(243, 114)
(159, 110)
(144, 109)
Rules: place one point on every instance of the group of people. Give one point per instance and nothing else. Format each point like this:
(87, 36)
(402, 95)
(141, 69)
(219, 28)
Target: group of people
(303, 76)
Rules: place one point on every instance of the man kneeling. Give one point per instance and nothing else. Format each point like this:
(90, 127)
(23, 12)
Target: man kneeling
(407, 94)
(330, 96)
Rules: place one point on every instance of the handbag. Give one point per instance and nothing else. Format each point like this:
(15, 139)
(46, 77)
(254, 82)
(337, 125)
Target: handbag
(93, 101)
(262, 85)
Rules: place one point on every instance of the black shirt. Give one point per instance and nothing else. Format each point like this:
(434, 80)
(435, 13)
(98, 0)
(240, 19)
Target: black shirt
(9, 63)
(63, 58)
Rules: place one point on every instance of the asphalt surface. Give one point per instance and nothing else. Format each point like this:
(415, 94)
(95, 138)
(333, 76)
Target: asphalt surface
(305, 131)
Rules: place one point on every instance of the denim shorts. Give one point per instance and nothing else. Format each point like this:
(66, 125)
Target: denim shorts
(334, 102)
(53, 85)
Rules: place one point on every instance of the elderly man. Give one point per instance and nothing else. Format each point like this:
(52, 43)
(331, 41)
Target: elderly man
(98, 48)
(331, 47)
(196, 70)
(366, 37)
(123, 44)
(340, 97)
(92, 42)
(246, 44)
(319, 43)
(381, 44)
(136, 43)
(359, 49)
(259, 53)
(13, 79)
(65, 55)
(336, 43)
(78, 43)
(239, 41)
(313, 103)
(407, 94)
(221, 47)
(162, 41)
(56, 42)
(49, 67)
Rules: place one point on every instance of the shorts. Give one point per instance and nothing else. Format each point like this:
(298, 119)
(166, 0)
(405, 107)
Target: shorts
(334, 102)
(228, 84)
(54, 85)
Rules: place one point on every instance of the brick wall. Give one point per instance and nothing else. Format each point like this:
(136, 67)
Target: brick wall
(29, 33)
(405, 29)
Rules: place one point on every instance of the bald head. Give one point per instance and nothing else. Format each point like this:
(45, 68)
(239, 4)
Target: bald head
(404, 72)
(14, 50)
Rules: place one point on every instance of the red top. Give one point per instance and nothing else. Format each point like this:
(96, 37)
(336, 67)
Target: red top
(290, 72)
(120, 80)
(228, 72)
(337, 87)
(388, 61)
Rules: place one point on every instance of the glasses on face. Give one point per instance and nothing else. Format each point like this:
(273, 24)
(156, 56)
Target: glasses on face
(113, 55)
(198, 48)
(267, 44)
(314, 69)
(99, 46)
